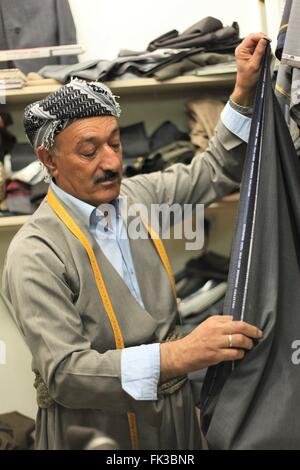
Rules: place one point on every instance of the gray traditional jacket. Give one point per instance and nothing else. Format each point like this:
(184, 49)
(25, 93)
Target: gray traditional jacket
(50, 283)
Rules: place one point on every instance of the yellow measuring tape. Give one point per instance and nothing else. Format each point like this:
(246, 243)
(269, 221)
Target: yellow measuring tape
(163, 256)
(119, 341)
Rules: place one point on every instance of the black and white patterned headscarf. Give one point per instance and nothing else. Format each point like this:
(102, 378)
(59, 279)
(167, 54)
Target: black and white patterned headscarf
(44, 119)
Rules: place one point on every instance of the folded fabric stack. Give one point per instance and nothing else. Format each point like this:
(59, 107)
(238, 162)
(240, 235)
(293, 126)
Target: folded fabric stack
(16, 431)
(208, 33)
(201, 286)
(203, 115)
(206, 42)
(21, 176)
(165, 146)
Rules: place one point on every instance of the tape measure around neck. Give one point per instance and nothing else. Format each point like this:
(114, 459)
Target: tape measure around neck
(77, 232)
(163, 256)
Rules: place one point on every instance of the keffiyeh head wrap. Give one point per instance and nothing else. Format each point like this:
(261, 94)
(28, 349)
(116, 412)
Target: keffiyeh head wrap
(44, 119)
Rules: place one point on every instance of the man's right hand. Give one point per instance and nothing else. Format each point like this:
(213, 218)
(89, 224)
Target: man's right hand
(217, 339)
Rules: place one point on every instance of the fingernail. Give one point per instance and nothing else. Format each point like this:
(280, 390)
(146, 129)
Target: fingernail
(260, 333)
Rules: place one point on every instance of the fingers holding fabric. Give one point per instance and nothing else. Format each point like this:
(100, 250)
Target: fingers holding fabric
(217, 339)
(243, 328)
(248, 59)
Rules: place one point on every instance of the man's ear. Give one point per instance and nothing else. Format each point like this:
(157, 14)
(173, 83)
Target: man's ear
(47, 157)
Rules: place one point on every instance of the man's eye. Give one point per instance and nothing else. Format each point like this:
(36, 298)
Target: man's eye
(116, 146)
(88, 154)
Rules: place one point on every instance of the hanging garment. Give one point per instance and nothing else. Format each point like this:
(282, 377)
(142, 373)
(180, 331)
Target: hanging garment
(288, 73)
(251, 404)
(36, 24)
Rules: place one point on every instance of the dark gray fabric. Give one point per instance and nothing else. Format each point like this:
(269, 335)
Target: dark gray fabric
(141, 64)
(210, 265)
(7, 142)
(208, 32)
(16, 431)
(253, 403)
(135, 142)
(165, 146)
(82, 438)
(283, 28)
(191, 62)
(21, 156)
(36, 24)
(180, 151)
(188, 286)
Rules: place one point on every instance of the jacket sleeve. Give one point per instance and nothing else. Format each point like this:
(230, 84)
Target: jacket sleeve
(38, 286)
(210, 176)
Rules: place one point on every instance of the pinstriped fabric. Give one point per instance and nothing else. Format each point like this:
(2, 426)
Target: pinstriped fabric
(44, 119)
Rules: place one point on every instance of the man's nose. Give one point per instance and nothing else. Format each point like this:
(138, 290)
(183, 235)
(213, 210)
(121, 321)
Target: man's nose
(109, 158)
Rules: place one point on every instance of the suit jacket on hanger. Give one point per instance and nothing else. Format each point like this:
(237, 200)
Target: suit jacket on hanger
(36, 23)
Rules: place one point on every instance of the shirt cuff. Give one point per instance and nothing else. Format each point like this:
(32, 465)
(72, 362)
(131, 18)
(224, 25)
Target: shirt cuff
(236, 122)
(140, 371)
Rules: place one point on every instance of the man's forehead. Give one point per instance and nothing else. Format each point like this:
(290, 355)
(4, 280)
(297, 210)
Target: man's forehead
(96, 137)
(87, 129)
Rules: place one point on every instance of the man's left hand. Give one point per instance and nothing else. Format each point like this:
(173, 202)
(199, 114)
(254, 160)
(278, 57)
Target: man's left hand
(248, 58)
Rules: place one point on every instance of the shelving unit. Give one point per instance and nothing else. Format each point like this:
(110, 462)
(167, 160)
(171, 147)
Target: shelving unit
(15, 222)
(127, 87)
(163, 99)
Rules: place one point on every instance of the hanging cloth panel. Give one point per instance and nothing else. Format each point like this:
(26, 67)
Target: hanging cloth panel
(254, 403)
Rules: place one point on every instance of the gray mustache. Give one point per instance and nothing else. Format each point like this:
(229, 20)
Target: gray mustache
(107, 176)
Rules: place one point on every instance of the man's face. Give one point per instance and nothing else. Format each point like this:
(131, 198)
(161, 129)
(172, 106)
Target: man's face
(87, 162)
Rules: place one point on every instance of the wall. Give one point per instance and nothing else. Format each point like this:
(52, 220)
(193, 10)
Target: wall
(106, 26)
(273, 14)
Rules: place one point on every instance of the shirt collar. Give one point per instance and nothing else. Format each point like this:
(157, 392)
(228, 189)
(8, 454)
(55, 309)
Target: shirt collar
(84, 210)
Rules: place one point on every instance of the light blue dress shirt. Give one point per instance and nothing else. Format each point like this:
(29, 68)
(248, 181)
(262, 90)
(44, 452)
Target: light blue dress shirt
(140, 365)
(236, 123)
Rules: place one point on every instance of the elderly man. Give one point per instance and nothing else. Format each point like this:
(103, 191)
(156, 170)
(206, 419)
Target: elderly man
(98, 312)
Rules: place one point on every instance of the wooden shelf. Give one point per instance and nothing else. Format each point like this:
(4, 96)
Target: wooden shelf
(15, 222)
(29, 94)
(127, 87)
(143, 85)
